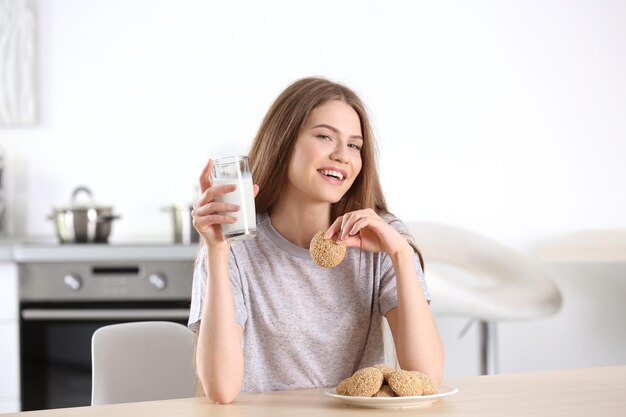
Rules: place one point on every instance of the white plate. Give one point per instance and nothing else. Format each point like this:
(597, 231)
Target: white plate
(395, 402)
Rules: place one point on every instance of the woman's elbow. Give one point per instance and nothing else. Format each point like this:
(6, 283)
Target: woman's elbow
(436, 376)
(436, 372)
(220, 392)
(222, 396)
(433, 369)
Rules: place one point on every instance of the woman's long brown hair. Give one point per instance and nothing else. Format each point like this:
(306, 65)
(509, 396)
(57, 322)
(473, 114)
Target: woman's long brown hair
(273, 145)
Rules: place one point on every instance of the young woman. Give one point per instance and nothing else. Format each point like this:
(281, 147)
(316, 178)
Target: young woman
(267, 318)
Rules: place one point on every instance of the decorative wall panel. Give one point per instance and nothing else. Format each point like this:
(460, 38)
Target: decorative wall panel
(18, 105)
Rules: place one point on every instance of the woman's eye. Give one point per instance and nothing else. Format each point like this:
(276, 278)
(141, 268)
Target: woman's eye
(357, 147)
(325, 137)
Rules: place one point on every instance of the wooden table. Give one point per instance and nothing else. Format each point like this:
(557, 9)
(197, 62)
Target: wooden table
(576, 392)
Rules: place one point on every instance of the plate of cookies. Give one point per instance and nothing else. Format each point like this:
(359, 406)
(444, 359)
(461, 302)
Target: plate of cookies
(380, 386)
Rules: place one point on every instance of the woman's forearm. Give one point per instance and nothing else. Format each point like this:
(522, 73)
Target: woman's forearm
(219, 356)
(416, 338)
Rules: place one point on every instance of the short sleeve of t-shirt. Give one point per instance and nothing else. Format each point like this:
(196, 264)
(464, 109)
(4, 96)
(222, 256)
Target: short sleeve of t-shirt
(198, 290)
(388, 298)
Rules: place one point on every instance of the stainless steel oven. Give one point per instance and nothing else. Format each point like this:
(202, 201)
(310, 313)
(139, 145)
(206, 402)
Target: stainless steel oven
(64, 299)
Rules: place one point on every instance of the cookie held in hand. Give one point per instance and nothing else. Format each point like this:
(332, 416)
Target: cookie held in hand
(326, 253)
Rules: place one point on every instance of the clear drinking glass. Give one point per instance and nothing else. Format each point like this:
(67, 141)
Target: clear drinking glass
(236, 170)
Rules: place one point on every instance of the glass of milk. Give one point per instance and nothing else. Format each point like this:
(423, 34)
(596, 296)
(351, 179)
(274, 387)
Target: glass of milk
(236, 170)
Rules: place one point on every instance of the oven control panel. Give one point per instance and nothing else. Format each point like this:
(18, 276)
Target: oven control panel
(105, 281)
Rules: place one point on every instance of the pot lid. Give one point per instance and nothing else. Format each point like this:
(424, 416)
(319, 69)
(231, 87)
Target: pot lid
(89, 203)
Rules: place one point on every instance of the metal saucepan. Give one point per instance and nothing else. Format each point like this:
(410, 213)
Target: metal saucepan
(87, 223)
(184, 232)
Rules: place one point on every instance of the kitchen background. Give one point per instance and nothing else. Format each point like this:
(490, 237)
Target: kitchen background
(503, 117)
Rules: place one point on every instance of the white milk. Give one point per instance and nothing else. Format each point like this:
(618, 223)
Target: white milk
(243, 196)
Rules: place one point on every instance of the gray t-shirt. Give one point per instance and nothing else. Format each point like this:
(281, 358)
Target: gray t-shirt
(304, 326)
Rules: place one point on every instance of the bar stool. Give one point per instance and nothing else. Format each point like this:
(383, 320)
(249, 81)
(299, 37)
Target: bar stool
(471, 276)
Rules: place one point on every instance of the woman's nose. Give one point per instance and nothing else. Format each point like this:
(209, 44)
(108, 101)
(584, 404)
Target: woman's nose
(339, 155)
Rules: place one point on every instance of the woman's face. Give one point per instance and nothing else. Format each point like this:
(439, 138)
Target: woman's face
(326, 157)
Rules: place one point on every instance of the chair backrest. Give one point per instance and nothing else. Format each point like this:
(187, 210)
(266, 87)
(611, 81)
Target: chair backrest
(470, 275)
(142, 361)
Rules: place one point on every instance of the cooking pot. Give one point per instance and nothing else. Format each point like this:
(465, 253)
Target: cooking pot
(83, 223)
(184, 232)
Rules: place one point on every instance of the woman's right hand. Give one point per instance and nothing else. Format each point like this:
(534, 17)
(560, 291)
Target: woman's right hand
(207, 212)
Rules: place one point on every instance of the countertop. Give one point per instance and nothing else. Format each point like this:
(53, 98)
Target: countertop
(17, 250)
(592, 246)
(574, 392)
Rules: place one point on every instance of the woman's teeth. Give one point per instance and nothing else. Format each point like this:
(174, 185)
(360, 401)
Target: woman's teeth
(331, 173)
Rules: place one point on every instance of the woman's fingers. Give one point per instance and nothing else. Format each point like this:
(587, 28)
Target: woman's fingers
(205, 225)
(356, 227)
(205, 176)
(353, 241)
(350, 224)
(346, 224)
(212, 219)
(214, 207)
(342, 225)
(213, 213)
(334, 228)
(210, 193)
(367, 230)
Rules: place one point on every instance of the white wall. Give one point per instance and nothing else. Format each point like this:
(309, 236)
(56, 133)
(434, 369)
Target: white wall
(504, 117)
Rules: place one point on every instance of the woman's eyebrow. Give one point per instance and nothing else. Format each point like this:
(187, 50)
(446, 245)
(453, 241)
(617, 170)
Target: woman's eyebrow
(334, 129)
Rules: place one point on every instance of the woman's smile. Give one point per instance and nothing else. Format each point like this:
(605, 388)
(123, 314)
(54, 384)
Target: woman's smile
(335, 176)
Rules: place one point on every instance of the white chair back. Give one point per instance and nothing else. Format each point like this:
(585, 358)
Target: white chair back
(142, 361)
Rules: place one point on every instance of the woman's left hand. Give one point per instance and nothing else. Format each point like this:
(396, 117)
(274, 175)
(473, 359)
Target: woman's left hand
(367, 230)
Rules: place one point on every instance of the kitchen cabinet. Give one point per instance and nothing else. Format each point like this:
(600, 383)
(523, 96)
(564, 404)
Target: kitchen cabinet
(9, 335)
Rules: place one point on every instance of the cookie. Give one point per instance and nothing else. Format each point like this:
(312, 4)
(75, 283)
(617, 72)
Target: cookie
(386, 370)
(385, 391)
(342, 388)
(428, 386)
(365, 382)
(405, 383)
(326, 253)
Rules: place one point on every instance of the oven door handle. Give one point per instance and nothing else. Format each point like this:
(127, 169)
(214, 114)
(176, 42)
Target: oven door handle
(31, 314)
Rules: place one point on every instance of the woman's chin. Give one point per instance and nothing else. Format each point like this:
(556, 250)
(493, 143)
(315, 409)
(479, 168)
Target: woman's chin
(333, 199)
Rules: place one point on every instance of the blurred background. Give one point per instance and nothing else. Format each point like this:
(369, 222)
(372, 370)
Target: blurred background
(506, 118)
